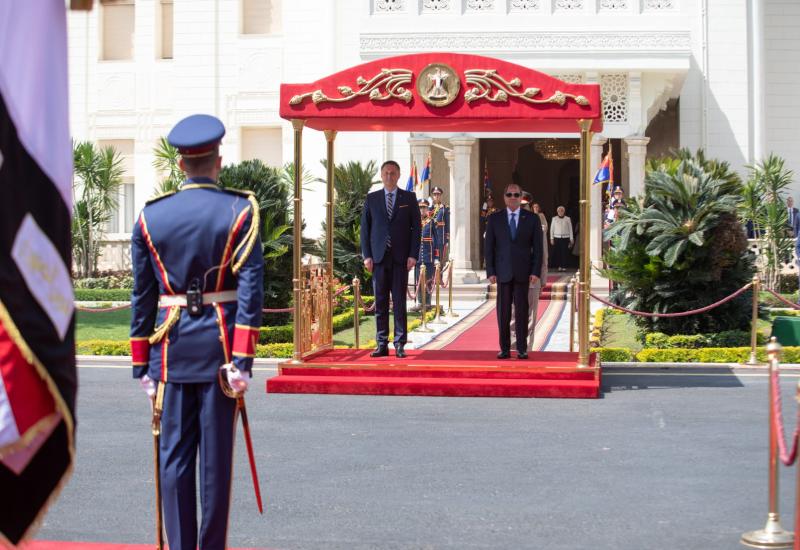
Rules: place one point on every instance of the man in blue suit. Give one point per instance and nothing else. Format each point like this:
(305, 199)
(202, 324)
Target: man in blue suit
(196, 307)
(513, 250)
(390, 239)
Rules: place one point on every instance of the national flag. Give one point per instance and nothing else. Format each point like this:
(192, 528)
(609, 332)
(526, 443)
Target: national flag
(487, 183)
(411, 184)
(424, 179)
(37, 345)
(605, 173)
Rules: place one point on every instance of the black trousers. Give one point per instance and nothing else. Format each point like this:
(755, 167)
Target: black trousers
(516, 292)
(389, 276)
(560, 251)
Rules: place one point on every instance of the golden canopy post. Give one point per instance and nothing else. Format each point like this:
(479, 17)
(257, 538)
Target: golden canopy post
(297, 254)
(330, 136)
(584, 284)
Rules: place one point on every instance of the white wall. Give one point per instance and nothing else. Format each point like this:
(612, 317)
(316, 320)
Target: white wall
(782, 45)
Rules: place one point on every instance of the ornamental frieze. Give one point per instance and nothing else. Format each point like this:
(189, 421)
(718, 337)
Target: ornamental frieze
(438, 85)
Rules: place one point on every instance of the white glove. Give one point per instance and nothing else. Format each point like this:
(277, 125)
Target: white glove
(236, 378)
(148, 385)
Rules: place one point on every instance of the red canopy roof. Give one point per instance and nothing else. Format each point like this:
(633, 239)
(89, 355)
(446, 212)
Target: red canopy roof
(456, 93)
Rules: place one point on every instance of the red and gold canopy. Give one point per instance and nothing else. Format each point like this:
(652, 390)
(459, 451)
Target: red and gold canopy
(442, 92)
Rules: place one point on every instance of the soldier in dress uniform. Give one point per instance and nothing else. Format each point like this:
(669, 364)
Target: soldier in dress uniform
(196, 307)
(441, 217)
(427, 248)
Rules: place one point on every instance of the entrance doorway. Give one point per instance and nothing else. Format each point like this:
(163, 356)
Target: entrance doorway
(547, 168)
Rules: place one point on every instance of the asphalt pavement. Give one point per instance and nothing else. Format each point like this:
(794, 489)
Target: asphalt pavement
(666, 460)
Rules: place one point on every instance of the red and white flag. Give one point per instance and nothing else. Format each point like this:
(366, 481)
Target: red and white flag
(37, 346)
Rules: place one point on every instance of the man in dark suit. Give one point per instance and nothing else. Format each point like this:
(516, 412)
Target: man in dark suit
(514, 261)
(390, 239)
(792, 218)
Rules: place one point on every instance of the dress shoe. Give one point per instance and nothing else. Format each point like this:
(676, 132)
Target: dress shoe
(503, 355)
(380, 351)
(522, 355)
(399, 352)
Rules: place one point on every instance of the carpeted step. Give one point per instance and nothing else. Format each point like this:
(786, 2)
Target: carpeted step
(528, 373)
(438, 387)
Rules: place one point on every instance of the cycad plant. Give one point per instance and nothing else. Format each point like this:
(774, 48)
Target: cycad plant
(766, 210)
(681, 247)
(276, 206)
(351, 182)
(95, 187)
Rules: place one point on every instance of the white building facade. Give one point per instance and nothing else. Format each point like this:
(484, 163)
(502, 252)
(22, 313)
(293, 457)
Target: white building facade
(713, 74)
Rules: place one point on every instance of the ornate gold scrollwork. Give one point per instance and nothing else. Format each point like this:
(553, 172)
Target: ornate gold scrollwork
(393, 81)
(486, 80)
(317, 329)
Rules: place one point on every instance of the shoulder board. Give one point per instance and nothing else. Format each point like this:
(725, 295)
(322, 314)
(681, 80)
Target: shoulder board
(161, 196)
(240, 192)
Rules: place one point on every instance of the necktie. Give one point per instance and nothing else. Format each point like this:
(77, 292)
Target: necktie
(512, 225)
(389, 208)
(791, 216)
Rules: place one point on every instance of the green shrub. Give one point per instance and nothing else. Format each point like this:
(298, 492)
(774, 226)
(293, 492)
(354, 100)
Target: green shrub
(103, 294)
(113, 281)
(276, 335)
(614, 354)
(103, 347)
(281, 350)
(655, 340)
(734, 338)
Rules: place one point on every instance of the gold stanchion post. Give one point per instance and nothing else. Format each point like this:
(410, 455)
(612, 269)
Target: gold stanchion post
(297, 252)
(330, 136)
(584, 273)
(437, 281)
(451, 314)
(356, 310)
(754, 322)
(772, 535)
(572, 297)
(423, 289)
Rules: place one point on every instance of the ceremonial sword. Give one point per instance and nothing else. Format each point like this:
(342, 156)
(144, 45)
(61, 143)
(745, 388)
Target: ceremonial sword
(242, 409)
(157, 403)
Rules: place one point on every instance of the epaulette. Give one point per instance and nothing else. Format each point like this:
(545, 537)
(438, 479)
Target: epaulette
(241, 192)
(161, 196)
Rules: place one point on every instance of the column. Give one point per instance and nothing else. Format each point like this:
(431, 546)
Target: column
(420, 151)
(596, 222)
(463, 212)
(637, 153)
(755, 10)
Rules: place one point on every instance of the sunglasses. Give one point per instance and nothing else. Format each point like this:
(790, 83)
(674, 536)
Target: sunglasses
(515, 195)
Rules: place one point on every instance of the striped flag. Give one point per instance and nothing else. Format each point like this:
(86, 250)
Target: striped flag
(37, 346)
(487, 183)
(411, 184)
(424, 179)
(605, 173)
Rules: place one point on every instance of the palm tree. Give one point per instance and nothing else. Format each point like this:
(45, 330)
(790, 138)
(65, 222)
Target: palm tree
(768, 182)
(166, 162)
(351, 182)
(98, 176)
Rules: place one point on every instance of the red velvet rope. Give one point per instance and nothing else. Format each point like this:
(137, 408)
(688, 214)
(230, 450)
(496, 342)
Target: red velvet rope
(678, 314)
(413, 295)
(787, 458)
(782, 299)
(102, 309)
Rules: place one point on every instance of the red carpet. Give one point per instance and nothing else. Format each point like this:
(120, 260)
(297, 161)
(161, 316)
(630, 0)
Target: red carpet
(59, 545)
(461, 362)
(445, 373)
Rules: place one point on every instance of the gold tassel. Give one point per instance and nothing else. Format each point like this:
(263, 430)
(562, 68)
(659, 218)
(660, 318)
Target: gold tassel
(249, 239)
(172, 317)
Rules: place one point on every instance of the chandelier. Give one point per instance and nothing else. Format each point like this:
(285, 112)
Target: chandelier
(558, 149)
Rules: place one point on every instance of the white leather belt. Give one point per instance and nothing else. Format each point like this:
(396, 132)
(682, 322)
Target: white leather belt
(168, 300)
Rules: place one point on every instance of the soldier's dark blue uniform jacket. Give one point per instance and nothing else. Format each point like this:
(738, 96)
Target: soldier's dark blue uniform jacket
(202, 233)
(441, 217)
(206, 234)
(427, 253)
